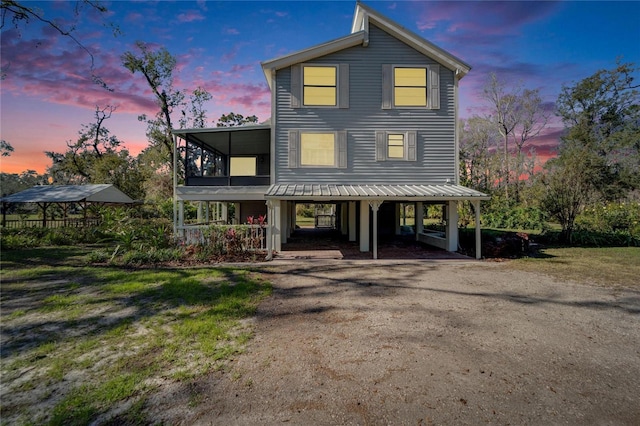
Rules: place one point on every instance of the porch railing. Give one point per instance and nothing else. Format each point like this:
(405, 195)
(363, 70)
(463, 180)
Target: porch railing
(225, 238)
(51, 223)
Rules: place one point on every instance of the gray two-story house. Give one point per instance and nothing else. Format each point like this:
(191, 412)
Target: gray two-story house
(366, 122)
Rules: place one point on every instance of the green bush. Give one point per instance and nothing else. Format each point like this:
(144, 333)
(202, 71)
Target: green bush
(610, 218)
(501, 215)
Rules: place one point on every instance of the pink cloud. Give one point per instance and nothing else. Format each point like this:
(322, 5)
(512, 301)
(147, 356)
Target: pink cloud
(231, 31)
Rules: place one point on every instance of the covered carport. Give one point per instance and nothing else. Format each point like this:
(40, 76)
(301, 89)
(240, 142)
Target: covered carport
(66, 195)
(359, 210)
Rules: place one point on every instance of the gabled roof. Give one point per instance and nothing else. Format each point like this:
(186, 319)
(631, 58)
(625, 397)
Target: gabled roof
(323, 49)
(363, 16)
(100, 193)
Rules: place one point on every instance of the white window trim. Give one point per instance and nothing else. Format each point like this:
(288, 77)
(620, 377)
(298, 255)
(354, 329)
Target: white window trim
(409, 146)
(342, 85)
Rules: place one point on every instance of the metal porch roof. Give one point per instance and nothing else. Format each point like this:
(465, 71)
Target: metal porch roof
(99, 193)
(325, 192)
(221, 193)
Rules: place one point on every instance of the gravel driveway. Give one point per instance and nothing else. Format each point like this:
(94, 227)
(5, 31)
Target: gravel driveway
(426, 342)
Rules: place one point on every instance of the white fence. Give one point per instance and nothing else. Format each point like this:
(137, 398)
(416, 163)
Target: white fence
(225, 238)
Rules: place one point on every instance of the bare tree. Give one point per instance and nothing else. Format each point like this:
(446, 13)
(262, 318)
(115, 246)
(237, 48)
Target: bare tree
(531, 119)
(504, 115)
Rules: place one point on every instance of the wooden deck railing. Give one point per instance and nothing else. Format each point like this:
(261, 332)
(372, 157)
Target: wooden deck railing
(51, 223)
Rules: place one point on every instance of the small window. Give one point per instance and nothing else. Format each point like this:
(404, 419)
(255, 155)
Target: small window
(395, 146)
(319, 85)
(243, 166)
(317, 149)
(410, 87)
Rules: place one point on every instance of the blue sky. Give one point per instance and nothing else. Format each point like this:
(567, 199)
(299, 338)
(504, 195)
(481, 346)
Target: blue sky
(47, 94)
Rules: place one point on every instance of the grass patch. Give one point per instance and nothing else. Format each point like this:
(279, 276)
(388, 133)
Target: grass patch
(128, 330)
(610, 266)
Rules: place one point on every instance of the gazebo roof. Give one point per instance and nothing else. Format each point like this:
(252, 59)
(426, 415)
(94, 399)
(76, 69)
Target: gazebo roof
(100, 193)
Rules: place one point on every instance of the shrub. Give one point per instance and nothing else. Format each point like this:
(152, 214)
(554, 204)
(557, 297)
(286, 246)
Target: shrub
(611, 218)
(501, 215)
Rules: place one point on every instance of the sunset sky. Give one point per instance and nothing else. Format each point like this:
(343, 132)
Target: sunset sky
(47, 93)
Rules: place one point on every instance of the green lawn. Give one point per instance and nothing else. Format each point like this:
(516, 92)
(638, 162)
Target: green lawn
(86, 342)
(609, 266)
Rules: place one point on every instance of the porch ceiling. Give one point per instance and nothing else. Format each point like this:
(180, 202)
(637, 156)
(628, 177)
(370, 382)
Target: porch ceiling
(241, 140)
(327, 192)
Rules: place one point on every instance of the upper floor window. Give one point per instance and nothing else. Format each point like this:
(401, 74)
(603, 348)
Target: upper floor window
(411, 86)
(320, 85)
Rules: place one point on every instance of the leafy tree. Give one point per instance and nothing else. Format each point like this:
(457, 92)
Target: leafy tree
(602, 115)
(566, 188)
(157, 67)
(23, 12)
(5, 148)
(232, 119)
(16, 182)
(97, 157)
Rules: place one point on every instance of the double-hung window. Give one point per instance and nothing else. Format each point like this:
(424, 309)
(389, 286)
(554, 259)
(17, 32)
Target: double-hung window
(320, 85)
(396, 146)
(317, 149)
(411, 86)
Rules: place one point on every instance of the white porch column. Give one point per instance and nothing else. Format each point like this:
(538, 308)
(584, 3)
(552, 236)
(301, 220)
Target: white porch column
(476, 206)
(180, 213)
(352, 221)
(238, 219)
(375, 205)
(452, 226)
(277, 225)
(419, 218)
(269, 204)
(364, 225)
(398, 215)
(199, 212)
(224, 212)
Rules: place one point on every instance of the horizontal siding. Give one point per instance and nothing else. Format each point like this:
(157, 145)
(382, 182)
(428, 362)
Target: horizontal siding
(435, 128)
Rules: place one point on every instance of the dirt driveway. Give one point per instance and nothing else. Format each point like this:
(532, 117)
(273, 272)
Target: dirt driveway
(426, 342)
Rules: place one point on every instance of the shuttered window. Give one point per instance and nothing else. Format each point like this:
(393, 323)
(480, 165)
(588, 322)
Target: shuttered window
(411, 86)
(317, 149)
(396, 146)
(320, 86)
